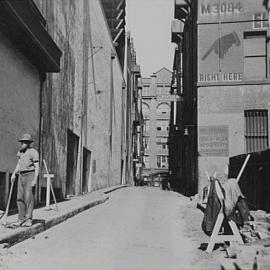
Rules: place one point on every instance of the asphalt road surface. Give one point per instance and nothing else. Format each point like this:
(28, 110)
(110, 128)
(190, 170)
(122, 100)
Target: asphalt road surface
(137, 228)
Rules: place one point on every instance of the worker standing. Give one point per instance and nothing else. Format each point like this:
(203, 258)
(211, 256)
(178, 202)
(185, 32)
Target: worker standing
(28, 170)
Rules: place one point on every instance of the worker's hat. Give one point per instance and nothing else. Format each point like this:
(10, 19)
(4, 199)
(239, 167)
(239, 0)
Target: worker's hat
(26, 138)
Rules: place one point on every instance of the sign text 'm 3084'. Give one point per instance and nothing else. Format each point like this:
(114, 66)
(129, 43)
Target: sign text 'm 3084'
(221, 8)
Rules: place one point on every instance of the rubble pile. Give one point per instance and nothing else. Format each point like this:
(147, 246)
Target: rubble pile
(256, 235)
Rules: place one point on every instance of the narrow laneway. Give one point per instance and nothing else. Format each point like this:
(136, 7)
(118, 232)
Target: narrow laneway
(138, 228)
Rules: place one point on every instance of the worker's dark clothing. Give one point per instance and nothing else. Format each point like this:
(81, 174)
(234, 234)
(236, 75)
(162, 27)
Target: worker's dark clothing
(25, 192)
(234, 205)
(212, 209)
(25, 196)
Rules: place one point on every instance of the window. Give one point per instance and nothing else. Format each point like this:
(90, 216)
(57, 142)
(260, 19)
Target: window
(163, 109)
(158, 161)
(162, 162)
(162, 146)
(167, 90)
(260, 20)
(145, 110)
(162, 142)
(162, 125)
(256, 130)
(255, 55)
(159, 90)
(146, 161)
(162, 139)
(146, 126)
(146, 142)
(146, 90)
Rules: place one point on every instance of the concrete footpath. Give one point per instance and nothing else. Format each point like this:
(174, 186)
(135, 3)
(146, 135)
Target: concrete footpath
(44, 219)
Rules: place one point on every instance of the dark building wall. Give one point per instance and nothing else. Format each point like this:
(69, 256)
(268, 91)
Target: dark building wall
(131, 143)
(190, 101)
(183, 135)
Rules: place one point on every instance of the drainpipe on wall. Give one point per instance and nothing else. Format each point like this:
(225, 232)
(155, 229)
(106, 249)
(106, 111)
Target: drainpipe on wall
(123, 133)
(84, 101)
(112, 115)
(266, 4)
(124, 123)
(40, 141)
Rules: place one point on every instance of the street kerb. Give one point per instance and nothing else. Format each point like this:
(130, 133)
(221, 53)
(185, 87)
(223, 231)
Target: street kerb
(14, 236)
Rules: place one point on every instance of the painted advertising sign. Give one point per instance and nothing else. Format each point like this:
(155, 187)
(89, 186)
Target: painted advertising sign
(220, 54)
(214, 141)
(221, 44)
(227, 10)
(216, 9)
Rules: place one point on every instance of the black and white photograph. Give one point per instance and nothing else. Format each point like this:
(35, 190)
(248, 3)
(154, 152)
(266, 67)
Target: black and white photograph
(134, 134)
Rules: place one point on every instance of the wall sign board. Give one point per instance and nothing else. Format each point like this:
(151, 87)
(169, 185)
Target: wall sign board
(214, 141)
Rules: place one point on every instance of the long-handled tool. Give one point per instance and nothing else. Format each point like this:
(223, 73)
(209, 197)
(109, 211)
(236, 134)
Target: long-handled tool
(243, 168)
(4, 217)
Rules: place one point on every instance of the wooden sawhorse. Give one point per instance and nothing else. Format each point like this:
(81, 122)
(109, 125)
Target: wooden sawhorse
(216, 237)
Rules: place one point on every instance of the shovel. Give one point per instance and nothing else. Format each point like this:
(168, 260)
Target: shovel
(4, 217)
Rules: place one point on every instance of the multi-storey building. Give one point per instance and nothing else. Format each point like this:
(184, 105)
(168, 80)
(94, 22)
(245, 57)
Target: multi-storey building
(183, 131)
(156, 108)
(132, 116)
(231, 82)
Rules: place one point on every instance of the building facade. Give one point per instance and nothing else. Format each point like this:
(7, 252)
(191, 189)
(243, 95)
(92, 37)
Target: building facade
(233, 84)
(183, 133)
(132, 118)
(232, 80)
(76, 113)
(156, 109)
(28, 52)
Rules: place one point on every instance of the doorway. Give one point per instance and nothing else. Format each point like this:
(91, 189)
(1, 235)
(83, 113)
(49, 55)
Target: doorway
(72, 156)
(86, 183)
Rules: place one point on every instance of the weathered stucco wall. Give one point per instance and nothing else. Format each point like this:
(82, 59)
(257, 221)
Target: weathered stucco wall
(85, 97)
(19, 102)
(223, 107)
(62, 91)
(105, 103)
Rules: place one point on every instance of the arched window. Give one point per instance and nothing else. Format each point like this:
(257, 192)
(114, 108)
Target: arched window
(163, 109)
(146, 126)
(145, 110)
